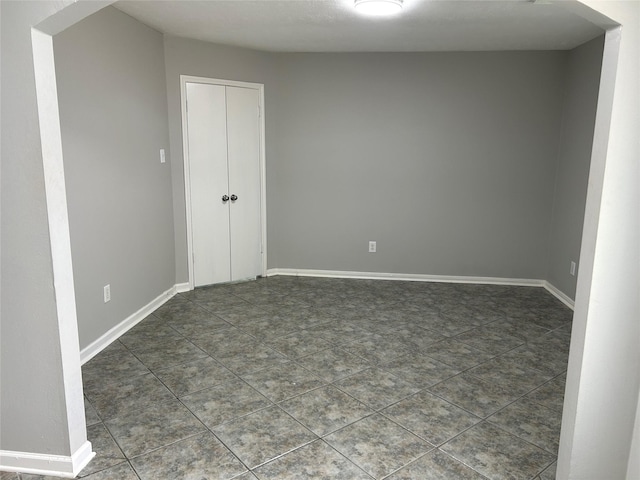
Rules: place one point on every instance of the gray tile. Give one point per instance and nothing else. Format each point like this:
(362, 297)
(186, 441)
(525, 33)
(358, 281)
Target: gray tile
(551, 394)
(198, 457)
(91, 416)
(510, 374)
(376, 388)
(220, 303)
(553, 317)
(434, 321)
(448, 327)
(299, 344)
(283, 381)
(550, 472)
(107, 451)
(151, 331)
(223, 342)
(540, 357)
(333, 364)
(522, 330)
(472, 315)
(308, 317)
(556, 340)
(420, 370)
(27, 476)
(339, 332)
(377, 445)
(211, 292)
(378, 348)
(498, 454)
(193, 328)
(316, 461)
(225, 402)
(116, 348)
(263, 436)
(111, 369)
(176, 311)
(531, 422)
(380, 320)
(475, 395)
(166, 355)
(436, 465)
(430, 417)
(138, 393)
(246, 476)
(415, 337)
(489, 340)
(456, 354)
(250, 357)
(155, 426)
(325, 410)
(270, 327)
(240, 314)
(260, 297)
(122, 471)
(191, 377)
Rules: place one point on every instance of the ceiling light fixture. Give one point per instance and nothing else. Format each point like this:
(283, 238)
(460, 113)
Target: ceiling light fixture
(378, 7)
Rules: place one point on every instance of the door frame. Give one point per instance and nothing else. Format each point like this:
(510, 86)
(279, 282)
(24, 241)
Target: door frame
(184, 79)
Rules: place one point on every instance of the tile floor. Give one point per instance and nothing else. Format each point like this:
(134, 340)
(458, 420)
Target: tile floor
(312, 378)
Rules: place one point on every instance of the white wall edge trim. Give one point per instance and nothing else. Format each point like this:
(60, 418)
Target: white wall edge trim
(128, 323)
(413, 277)
(553, 290)
(44, 464)
(183, 287)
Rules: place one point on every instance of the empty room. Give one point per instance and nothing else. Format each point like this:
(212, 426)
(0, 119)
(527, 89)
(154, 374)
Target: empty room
(300, 240)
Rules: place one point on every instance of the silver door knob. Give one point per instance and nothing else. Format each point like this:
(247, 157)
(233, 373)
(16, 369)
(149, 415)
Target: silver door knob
(234, 197)
(225, 198)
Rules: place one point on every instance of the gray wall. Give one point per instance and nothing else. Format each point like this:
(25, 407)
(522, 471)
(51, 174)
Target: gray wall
(574, 159)
(32, 396)
(32, 416)
(191, 57)
(113, 111)
(447, 160)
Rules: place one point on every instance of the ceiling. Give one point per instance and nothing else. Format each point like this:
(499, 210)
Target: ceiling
(334, 25)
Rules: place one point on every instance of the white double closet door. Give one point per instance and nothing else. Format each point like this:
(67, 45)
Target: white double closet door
(223, 148)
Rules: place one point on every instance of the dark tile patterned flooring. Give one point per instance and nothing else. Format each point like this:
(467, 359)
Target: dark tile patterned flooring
(315, 378)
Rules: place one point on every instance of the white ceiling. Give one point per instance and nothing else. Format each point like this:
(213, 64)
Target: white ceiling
(334, 26)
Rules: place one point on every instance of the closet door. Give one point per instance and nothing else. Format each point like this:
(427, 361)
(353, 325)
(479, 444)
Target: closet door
(208, 177)
(243, 137)
(223, 148)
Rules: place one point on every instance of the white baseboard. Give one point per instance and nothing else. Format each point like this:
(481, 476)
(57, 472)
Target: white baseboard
(112, 335)
(43, 464)
(183, 287)
(412, 277)
(559, 295)
(520, 282)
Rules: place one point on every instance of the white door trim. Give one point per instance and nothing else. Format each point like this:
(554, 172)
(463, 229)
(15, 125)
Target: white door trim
(184, 79)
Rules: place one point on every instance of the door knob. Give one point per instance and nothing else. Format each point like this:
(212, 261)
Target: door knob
(225, 198)
(234, 197)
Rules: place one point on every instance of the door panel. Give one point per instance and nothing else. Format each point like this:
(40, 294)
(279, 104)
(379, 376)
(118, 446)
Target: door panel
(243, 145)
(208, 177)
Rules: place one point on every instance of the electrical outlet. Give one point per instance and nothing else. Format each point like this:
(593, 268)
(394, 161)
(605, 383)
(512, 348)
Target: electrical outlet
(572, 269)
(107, 293)
(162, 157)
(372, 247)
